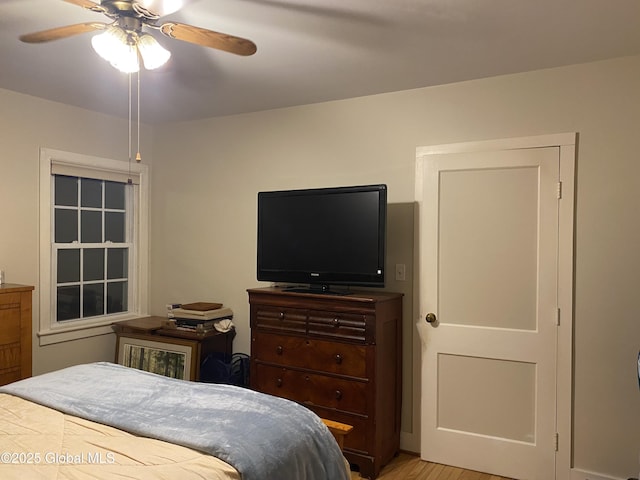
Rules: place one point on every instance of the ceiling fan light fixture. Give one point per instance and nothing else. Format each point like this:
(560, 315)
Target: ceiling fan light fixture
(127, 60)
(153, 54)
(108, 43)
(115, 47)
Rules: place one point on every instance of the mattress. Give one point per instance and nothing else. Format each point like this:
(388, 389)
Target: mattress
(37, 442)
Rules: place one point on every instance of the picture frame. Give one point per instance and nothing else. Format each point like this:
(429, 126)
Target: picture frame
(171, 357)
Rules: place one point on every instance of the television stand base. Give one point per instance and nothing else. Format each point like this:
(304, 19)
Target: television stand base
(316, 289)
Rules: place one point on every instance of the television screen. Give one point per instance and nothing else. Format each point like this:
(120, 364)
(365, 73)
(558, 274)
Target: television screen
(322, 237)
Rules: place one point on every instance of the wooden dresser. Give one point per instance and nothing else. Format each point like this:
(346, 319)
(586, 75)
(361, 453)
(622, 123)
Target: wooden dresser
(15, 332)
(339, 355)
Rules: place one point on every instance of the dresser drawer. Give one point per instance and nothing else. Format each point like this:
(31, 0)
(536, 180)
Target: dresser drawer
(311, 388)
(336, 393)
(339, 358)
(279, 319)
(10, 301)
(10, 356)
(282, 350)
(279, 381)
(324, 356)
(10, 375)
(9, 325)
(337, 325)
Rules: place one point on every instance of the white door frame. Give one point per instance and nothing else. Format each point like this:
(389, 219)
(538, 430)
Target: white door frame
(566, 142)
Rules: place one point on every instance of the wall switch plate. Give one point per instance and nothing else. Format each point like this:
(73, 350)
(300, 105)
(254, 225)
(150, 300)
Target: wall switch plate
(401, 272)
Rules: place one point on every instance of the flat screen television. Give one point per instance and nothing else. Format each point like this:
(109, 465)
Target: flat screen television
(323, 236)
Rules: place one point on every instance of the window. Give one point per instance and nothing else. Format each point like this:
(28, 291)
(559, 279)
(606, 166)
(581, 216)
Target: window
(93, 244)
(91, 247)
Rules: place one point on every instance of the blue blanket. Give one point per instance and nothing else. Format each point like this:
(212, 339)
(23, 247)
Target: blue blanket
(261, 436)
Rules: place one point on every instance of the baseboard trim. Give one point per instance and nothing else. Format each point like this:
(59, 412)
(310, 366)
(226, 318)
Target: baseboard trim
(577, 474)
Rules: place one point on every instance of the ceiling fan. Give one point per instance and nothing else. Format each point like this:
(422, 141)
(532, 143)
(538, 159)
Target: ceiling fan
(125, 33)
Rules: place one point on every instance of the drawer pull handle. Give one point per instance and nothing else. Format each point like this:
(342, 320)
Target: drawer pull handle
(278, 382)
(338, 395)
(336, 322)
(338, 358)
(281, 315)
(279, 349)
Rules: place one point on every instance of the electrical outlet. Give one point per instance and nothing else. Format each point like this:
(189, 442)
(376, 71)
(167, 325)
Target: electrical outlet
(401, 272)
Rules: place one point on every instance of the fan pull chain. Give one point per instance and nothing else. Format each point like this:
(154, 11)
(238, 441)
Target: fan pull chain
(130, 181)
(138, 157)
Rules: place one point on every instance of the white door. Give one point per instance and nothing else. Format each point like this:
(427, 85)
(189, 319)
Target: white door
(488, 293)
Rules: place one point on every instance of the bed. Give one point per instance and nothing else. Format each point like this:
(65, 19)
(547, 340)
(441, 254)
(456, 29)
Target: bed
(105, 421)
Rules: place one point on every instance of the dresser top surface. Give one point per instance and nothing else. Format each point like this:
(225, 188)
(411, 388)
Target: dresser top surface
(15, 287)
(349, 295)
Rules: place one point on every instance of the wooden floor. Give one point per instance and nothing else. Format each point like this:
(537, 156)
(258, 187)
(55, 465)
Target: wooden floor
(409, 467)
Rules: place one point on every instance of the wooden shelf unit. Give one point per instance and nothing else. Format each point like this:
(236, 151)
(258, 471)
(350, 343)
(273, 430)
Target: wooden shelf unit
(202, 344)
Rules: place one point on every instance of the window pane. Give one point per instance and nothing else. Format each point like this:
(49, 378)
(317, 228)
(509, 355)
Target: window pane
(93, 300)
(65, 191)
(93, 264)
(68, 266)
(66, 226)
(90, 226)
(90, 193)
(117, 263)
(68, 303)
(117, 297)
(114, 195)
(114, 227)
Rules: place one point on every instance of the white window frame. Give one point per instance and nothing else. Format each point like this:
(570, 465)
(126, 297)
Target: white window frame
(50, 331)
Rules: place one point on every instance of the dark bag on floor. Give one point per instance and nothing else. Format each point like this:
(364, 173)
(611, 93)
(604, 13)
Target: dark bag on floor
(216, 368)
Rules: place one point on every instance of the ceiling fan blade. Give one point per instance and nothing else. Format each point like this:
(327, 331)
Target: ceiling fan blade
(61, 32)
(88, 4)
(209, 38)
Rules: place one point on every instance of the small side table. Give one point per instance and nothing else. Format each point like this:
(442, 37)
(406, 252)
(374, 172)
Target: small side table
(148, 344)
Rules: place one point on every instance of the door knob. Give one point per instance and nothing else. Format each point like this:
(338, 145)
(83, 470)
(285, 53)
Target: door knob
(431, 318)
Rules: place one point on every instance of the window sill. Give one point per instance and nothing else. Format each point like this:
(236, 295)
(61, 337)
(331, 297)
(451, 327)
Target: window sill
(78, 331)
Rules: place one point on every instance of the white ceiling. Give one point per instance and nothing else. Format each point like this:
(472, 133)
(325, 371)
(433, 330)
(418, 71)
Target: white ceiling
(312, 50)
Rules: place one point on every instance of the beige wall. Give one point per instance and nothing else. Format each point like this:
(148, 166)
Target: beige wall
(27, 124)
(206, 175)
